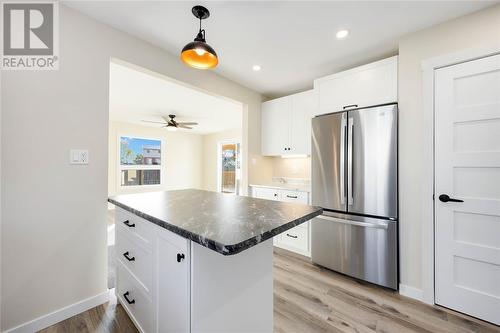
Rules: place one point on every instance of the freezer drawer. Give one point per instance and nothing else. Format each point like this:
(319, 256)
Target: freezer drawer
(361, 247)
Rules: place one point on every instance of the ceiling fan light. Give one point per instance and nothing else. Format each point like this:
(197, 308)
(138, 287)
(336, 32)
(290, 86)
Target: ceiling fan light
(171, 128)
(199, 55)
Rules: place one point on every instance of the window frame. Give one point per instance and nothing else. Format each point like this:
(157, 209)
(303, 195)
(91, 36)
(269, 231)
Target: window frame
(121, 167)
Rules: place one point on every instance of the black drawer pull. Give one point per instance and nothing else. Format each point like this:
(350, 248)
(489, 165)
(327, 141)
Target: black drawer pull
(128, 224)
(128, 300)
(180, 257)
(350, 106)
(126, 255)
(292, 236)
(291, 196)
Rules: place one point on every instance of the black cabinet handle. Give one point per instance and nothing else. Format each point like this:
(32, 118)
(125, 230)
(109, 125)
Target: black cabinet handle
(291, 236)
(446, 198)
(291, 196)
(128, 224)
(275, 194)
(350, 106)
(128, 300)
(126, 255)
(180, 257)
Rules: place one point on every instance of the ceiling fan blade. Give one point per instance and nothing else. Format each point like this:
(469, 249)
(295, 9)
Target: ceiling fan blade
(189, 123)
(183, 126)
(154, 122)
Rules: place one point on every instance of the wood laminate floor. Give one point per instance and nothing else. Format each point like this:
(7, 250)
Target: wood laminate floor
(311, 299)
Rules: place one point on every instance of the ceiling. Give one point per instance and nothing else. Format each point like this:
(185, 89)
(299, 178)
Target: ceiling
(136, 95)
(294, 42)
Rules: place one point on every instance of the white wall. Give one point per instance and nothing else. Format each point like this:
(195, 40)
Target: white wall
(472, 31)
(53, 214)
(181, 166)
(210, 146)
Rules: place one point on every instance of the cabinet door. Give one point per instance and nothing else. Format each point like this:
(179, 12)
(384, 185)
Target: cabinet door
(276, 126)
(265, 193)
(303, 107)
(173, 262)
(367, 85)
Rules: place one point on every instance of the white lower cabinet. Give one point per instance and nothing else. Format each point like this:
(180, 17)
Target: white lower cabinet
(296, 239)
(173, 267)
(152, 275)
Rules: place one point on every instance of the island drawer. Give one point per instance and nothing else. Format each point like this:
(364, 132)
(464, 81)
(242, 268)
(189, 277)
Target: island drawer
(134, 299)
(136, 257)
(296, 239)
(133, 225)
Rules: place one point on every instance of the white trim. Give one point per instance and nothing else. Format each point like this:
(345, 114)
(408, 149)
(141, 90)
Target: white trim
(57, 316)
(428, 67)
(411, 292)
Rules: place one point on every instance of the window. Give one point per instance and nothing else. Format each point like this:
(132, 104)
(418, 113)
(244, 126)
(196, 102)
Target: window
(140, 161)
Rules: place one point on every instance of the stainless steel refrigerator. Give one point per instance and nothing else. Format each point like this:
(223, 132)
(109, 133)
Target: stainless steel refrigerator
(355, 180)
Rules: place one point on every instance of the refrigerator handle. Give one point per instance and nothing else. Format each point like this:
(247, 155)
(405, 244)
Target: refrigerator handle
(343, 134)
(350, 132)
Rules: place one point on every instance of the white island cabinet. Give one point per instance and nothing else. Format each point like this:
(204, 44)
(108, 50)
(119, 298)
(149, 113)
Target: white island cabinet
(166, 283)
(199, 261)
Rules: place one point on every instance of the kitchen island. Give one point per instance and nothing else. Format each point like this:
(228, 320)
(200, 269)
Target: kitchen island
(199, 261)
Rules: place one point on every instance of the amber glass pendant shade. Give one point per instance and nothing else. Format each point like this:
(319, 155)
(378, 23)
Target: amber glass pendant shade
(199, 55)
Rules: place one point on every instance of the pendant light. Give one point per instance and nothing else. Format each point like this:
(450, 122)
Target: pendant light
(199, 54)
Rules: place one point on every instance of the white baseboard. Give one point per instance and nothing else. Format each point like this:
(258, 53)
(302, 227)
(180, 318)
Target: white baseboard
(411, 292)
(59, 315)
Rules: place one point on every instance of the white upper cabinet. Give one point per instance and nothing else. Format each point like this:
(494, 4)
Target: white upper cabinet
(276, 126)
(371, 84)
(286, 124)
(303, 108)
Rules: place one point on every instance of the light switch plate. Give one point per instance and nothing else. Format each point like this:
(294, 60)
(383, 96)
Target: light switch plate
(78, 156)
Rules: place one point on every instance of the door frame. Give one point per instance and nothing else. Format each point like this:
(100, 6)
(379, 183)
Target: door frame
(428, 67)
(219, 163)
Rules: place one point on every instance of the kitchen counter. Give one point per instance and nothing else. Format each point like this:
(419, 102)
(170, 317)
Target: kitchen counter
(285, 186)
(224, 223)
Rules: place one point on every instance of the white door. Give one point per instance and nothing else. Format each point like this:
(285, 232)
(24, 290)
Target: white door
(467, 157)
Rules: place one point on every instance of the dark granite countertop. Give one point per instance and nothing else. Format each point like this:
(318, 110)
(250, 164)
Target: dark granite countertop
(224, 223)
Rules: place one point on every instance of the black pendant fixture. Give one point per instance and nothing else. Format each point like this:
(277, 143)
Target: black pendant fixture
(199, 54)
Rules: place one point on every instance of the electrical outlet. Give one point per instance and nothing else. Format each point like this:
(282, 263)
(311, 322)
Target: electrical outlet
(78, 156)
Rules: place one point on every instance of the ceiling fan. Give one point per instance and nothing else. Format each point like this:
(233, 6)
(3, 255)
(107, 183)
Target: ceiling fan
(171, 124)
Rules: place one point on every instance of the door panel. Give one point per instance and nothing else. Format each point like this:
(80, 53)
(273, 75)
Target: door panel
(276, 126)
(328, 162)
(372, 161)
(467, 167)
(303, 107)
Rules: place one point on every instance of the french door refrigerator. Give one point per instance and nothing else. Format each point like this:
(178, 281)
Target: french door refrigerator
(354, 180)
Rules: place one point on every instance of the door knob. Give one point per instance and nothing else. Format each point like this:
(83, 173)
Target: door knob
(180, 257)
(446, 198)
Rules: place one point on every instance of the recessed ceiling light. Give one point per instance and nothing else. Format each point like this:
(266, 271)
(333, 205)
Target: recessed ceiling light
(341, 34)
(256, 68)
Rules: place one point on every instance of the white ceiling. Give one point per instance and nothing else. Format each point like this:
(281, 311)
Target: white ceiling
(137, 95)
(294, 42)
